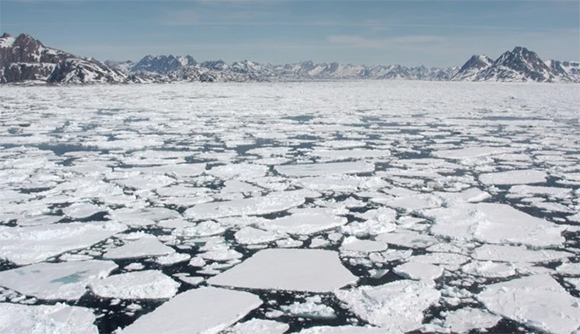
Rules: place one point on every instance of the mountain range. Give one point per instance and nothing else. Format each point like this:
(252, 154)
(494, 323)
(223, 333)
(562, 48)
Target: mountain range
(24, 59)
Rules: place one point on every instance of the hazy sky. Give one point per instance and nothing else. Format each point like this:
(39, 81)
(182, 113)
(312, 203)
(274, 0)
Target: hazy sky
(433, 33)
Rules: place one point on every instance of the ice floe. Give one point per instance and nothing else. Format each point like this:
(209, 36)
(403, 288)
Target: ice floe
(251, 236)
(304, 221)
(209, 310)
(407, 238)
(258, 326)
(148, 284)
(396, 307)
(418, 271)
(56, 281)
(46, 319)
(537, 301)
(494, 223)
(146, 246)
(273, 202)
(503, 253)
(342, 330)
(288, 269)
(514, 177)
(26, 245)
(467, 319)
(325, 168)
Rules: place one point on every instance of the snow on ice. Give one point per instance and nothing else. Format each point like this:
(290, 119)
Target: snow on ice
(203, 310)
(288, 269)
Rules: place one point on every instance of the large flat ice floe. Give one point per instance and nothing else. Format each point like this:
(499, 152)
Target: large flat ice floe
(396, 307)
(44, 319)
(58, 281)
(288, 269)
(26, 245)
(203, 310)
(537, 301)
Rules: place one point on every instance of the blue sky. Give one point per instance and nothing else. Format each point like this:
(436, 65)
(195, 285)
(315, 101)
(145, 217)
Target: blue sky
(432, 33)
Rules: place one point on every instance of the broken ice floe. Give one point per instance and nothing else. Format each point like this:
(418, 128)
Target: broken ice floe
(148, 284)
(395, 307)
(47, 319)
(537, 301)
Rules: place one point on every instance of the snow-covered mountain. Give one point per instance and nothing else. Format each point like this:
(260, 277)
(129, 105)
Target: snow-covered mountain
(565, 68)
(518, 65)
(25, 59)
(471, 70)
(247, 70)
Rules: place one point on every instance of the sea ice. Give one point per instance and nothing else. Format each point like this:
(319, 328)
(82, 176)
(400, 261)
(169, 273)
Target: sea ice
(325, 168)
(472, 152)
(519, 254)
(311, 308)
(467, 319)
(26, 245)
(396, 307)
(407, 238)
(258, 326)
(568, 268)
(56, 281)
(251, 236)
(494, 223)
(418, 271)
(148, 284)
(46, 319)
(172, 258)
(273, 202)
(82, 210)
(146, 246)
(537, 301)
(310, 270)
(514, 177)
(342, 330)
(208, 311)
(489, 269)
(353, 244)
(304, 221)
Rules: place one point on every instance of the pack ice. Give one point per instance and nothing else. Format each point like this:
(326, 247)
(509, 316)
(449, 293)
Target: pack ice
(311, 207)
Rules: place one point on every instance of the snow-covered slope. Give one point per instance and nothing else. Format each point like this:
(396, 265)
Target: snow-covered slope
(25, 59)
(473, 68)
(565, 68)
